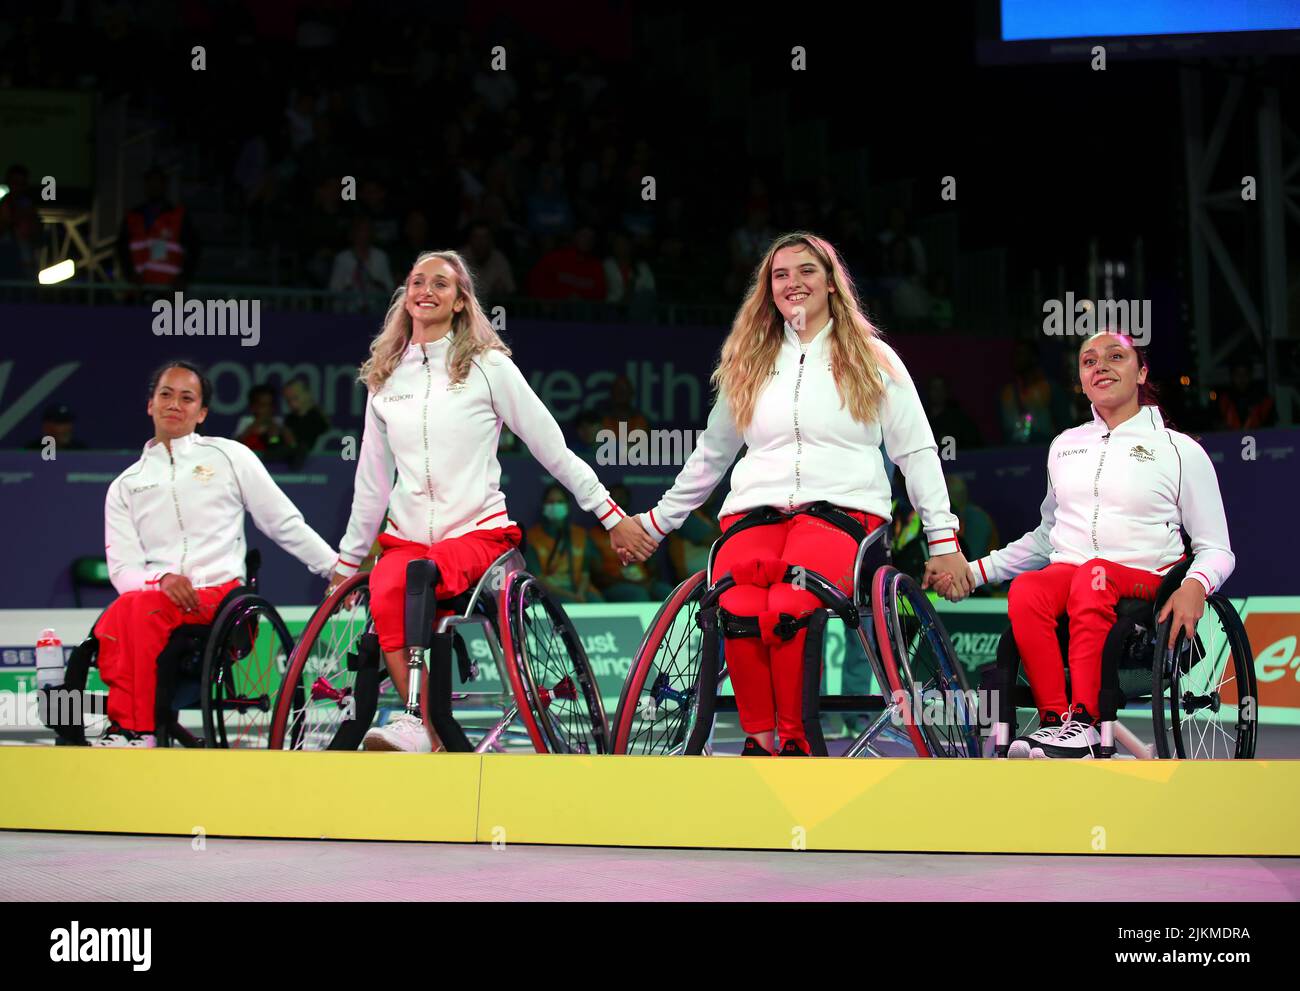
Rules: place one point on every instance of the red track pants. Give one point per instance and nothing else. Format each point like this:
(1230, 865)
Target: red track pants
(461, 561)
(766, 671)
(132, 633)
(1087, 593)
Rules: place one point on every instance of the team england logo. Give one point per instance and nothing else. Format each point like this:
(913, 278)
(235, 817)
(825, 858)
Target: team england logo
(1141, 453)
(203, 473)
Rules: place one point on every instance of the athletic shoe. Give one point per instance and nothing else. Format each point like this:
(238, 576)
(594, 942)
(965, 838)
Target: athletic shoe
(117, 737)
(404, 733)
(1077, 737)
(791, 748)
(1024, 746)
(753, 748)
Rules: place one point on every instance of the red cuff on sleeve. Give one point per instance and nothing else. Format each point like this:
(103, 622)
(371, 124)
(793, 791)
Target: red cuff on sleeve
(654, 523)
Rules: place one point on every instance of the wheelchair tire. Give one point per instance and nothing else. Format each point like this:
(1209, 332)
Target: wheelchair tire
(239, 685)
(552, 680)
(1217, 657)
(918, 658)
(328, 697)
(657, 706)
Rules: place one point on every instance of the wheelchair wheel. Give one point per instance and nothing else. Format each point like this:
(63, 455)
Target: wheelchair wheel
(1205, 706)
(922, 667)
(559, 700)
(657, 706)
(244, 662)
(328, 697)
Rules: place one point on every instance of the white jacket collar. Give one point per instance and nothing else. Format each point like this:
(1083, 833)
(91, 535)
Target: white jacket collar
(181, 445)
(1146, 420)
(792, 335)
(431, 348)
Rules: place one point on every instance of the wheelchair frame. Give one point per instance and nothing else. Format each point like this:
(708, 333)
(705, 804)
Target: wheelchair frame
(851, 609)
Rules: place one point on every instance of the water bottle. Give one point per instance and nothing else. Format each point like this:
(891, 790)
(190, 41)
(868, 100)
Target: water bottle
(49, 660)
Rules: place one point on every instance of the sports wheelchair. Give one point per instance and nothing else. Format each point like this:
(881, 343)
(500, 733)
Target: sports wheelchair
(528, 685)
(1190, 689)
(228, 669)
(670, 698)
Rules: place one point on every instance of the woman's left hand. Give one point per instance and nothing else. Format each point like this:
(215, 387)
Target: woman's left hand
(1187, 606)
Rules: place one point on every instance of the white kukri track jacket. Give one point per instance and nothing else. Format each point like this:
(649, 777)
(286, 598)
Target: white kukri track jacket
(182, 511)
(804, 446)
(1120, 495)
(441, 440)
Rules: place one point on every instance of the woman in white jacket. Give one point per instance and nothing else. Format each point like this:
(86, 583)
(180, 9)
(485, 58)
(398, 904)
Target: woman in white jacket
(441, 384)
(1118, 490)
(808, 386)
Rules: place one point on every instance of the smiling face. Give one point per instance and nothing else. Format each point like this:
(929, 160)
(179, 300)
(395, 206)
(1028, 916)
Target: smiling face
(433, 294)
(800, 285)
(1110, 371)
(177, 404)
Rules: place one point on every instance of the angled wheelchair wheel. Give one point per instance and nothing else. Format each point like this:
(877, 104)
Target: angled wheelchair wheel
(331, 688)
(553, 683)
(922, 669)
(657, 707)
(1205, 705)
(244, 662)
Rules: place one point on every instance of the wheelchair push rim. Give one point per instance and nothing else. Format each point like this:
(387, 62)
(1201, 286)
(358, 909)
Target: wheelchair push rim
(1214, 675)
(238, 686)
(559, 699)
(656, 709)
(919, 660)
(324, 698)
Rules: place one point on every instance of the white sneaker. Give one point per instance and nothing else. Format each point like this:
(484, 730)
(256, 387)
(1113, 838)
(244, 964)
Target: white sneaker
(1031, 744)
(404, 733)
(1077, 738)
(115, 736)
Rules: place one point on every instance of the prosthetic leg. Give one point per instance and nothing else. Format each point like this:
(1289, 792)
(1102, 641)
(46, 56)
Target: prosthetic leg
(420, 615)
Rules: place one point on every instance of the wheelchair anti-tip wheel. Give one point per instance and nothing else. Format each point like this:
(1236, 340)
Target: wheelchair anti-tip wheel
(1204, 700)
(923, 670)
(328, 697)
(657, 707)
(559, 699)
(244, 662)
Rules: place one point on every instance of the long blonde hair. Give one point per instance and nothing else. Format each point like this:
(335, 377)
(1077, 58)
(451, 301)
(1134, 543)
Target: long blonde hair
(473, 334)
(750, 350)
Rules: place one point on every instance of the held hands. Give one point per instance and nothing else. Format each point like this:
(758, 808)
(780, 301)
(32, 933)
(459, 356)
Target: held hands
(630, 541)
(949, 575)
(1187, 606)
(180, 591)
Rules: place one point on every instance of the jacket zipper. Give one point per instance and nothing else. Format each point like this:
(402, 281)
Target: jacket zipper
(1096, 490)
(428, 470)
(179, 522)
(798, 436)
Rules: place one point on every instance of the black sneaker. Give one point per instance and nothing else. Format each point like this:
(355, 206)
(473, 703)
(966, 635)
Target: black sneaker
(1024, 746)
(791, 748)
(1077, 736)
(753, 748)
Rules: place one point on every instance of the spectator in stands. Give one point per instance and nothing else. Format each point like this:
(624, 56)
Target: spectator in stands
(570, 272)
(978, 534)
(689, 545)
(549, 211)
(619, 409)
(383, 221)
(948, 419)
(305, 421)
(493, 276)
(1245, 404)
(559, 553)
(618, 582)
(1027, 400)
(57, 422)
(909, 300)
(262, 431)
(157, 244)
(940, 301)
(627, 275)
(362, 268)
(415, 239)
(20, 225)
(749, 242)
(587, 444)
(900, 230)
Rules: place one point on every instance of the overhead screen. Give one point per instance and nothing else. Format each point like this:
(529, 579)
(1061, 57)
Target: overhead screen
(1059, 30)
